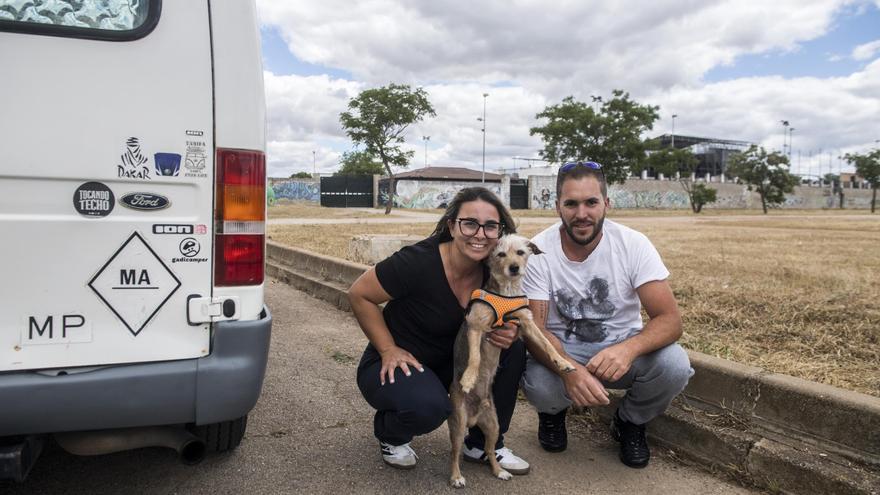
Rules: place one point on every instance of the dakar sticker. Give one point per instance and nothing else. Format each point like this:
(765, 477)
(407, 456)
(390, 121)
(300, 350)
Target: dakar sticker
(167, 164)
(93, 199)
(144, 201)
(196, 155)
(133, 162)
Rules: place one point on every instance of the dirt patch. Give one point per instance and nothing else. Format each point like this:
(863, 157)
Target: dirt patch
(791, 293)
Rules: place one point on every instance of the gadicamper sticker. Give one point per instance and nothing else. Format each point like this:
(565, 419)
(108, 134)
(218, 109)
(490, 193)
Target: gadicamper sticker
(93, 199)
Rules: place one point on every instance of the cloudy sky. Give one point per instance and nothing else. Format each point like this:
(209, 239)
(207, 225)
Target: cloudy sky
(729, 69)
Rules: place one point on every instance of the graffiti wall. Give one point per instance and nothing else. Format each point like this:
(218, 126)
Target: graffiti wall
(303, 190)
(428, 194)
(637, 193)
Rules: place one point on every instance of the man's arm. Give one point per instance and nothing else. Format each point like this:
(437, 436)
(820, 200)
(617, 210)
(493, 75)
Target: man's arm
(663, 328)
(582, 387)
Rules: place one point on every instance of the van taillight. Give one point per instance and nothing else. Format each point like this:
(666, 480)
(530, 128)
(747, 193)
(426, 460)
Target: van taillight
(240, 218)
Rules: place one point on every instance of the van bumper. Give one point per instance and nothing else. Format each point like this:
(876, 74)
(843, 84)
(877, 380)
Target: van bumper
(222, 386)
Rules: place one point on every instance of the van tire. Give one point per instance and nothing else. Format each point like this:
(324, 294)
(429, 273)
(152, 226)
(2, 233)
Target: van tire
(221, 437)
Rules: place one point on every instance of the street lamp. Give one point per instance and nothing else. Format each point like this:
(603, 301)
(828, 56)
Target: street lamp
(785, 125)
(483, 120)
(596, 101)
(790, 132)
(426, 139)
(314, 164)
(673, 129)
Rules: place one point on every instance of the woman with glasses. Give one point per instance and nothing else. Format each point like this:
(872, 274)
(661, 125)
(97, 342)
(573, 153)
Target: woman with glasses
(406, 369)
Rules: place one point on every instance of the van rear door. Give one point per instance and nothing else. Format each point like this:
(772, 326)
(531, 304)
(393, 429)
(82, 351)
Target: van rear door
(106, 182)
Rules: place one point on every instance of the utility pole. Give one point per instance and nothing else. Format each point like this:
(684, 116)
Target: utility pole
(314, 165)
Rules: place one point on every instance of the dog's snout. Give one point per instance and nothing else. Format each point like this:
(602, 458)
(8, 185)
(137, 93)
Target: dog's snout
(514, 269)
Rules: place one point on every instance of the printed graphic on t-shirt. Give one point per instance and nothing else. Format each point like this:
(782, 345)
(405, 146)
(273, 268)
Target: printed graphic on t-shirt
(585, 317)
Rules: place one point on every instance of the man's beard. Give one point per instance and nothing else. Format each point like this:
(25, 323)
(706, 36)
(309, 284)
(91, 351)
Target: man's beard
(597, 228)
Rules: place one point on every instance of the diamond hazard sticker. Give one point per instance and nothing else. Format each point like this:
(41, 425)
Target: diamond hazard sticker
(134, 283)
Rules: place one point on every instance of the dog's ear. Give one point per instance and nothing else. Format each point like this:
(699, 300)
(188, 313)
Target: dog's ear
(534, 248)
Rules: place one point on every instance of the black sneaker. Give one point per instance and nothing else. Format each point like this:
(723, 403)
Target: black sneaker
(551, 431)
(634, 451)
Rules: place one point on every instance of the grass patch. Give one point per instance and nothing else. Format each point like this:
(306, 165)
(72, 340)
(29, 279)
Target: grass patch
(791, 293)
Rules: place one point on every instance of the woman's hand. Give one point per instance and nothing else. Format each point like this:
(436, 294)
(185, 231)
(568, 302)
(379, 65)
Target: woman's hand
(503, 337)
(395, 357)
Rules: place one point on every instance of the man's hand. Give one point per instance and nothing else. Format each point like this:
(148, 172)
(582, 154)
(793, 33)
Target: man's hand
(583, 388)
(504, 336)
(611, 363)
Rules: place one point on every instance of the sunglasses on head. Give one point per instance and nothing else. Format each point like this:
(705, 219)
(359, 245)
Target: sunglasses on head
(569, 166)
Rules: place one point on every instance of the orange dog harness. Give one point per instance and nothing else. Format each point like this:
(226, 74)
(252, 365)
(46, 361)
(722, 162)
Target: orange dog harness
(502, 306)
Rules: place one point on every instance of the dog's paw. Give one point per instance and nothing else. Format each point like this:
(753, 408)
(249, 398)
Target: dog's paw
(467, 381)
(457, 482)
(503, 475)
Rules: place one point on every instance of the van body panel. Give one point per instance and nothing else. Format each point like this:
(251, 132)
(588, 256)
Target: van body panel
(219, 387)
(109, 206)
(238, 78)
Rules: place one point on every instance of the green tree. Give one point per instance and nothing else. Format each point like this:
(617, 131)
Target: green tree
(766, 173)
(301, 175)
(610, 134)
(867, 167)
(378, 118)
(668, 161)
(359, 163)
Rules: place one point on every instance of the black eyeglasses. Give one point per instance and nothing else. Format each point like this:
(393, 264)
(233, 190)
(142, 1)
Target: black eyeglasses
(469, 227)
(569, 166)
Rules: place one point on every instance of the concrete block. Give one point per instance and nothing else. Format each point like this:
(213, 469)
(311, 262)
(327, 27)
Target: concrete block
(326, 267)
(373, 248)
(822, 411)
(786, 469)
(724, 384)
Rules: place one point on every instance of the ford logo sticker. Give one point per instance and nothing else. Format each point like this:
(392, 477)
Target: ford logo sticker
(144, 201)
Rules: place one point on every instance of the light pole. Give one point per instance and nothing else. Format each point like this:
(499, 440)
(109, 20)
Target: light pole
(790, 132)
(596, 101)
(673, 129)
(483, 120)
(426, 139)
(314, 164)
(784, 133)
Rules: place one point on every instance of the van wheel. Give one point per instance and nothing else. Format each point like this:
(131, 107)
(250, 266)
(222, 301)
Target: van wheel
(221, 437)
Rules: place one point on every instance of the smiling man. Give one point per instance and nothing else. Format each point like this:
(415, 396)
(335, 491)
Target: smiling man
(586, 292)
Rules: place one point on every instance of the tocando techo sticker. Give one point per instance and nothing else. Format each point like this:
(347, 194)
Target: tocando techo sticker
(93, 199)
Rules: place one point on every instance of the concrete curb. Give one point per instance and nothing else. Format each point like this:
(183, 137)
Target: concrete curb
(776, 431)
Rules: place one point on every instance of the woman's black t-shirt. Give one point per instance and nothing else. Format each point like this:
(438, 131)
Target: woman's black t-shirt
(423, 315)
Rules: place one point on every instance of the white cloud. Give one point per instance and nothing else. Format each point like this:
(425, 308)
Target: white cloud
(530, 53)
(866, 51)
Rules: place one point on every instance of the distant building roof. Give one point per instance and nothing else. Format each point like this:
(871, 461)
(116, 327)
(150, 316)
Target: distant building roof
(448, 173)
(685, 141)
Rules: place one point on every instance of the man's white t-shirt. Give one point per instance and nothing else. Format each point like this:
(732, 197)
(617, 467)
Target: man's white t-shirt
(593, 302)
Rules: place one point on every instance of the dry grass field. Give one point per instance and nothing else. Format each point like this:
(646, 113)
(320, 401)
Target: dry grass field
(794, 292)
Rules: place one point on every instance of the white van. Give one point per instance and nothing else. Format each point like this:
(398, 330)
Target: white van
(132, 219)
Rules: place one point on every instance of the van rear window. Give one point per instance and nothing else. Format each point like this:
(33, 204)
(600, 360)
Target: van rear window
(113, 20)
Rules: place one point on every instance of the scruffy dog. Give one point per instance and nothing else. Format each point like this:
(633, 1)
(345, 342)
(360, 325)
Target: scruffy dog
(476, 360)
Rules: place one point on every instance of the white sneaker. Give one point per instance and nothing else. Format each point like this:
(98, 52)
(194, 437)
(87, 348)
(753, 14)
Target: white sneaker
(509, 461)
(399, 456)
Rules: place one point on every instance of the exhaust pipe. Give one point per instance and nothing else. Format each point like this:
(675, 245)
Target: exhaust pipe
(17, 459)
(190, 447)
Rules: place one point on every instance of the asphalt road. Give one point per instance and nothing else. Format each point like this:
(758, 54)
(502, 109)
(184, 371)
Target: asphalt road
(311, 432)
